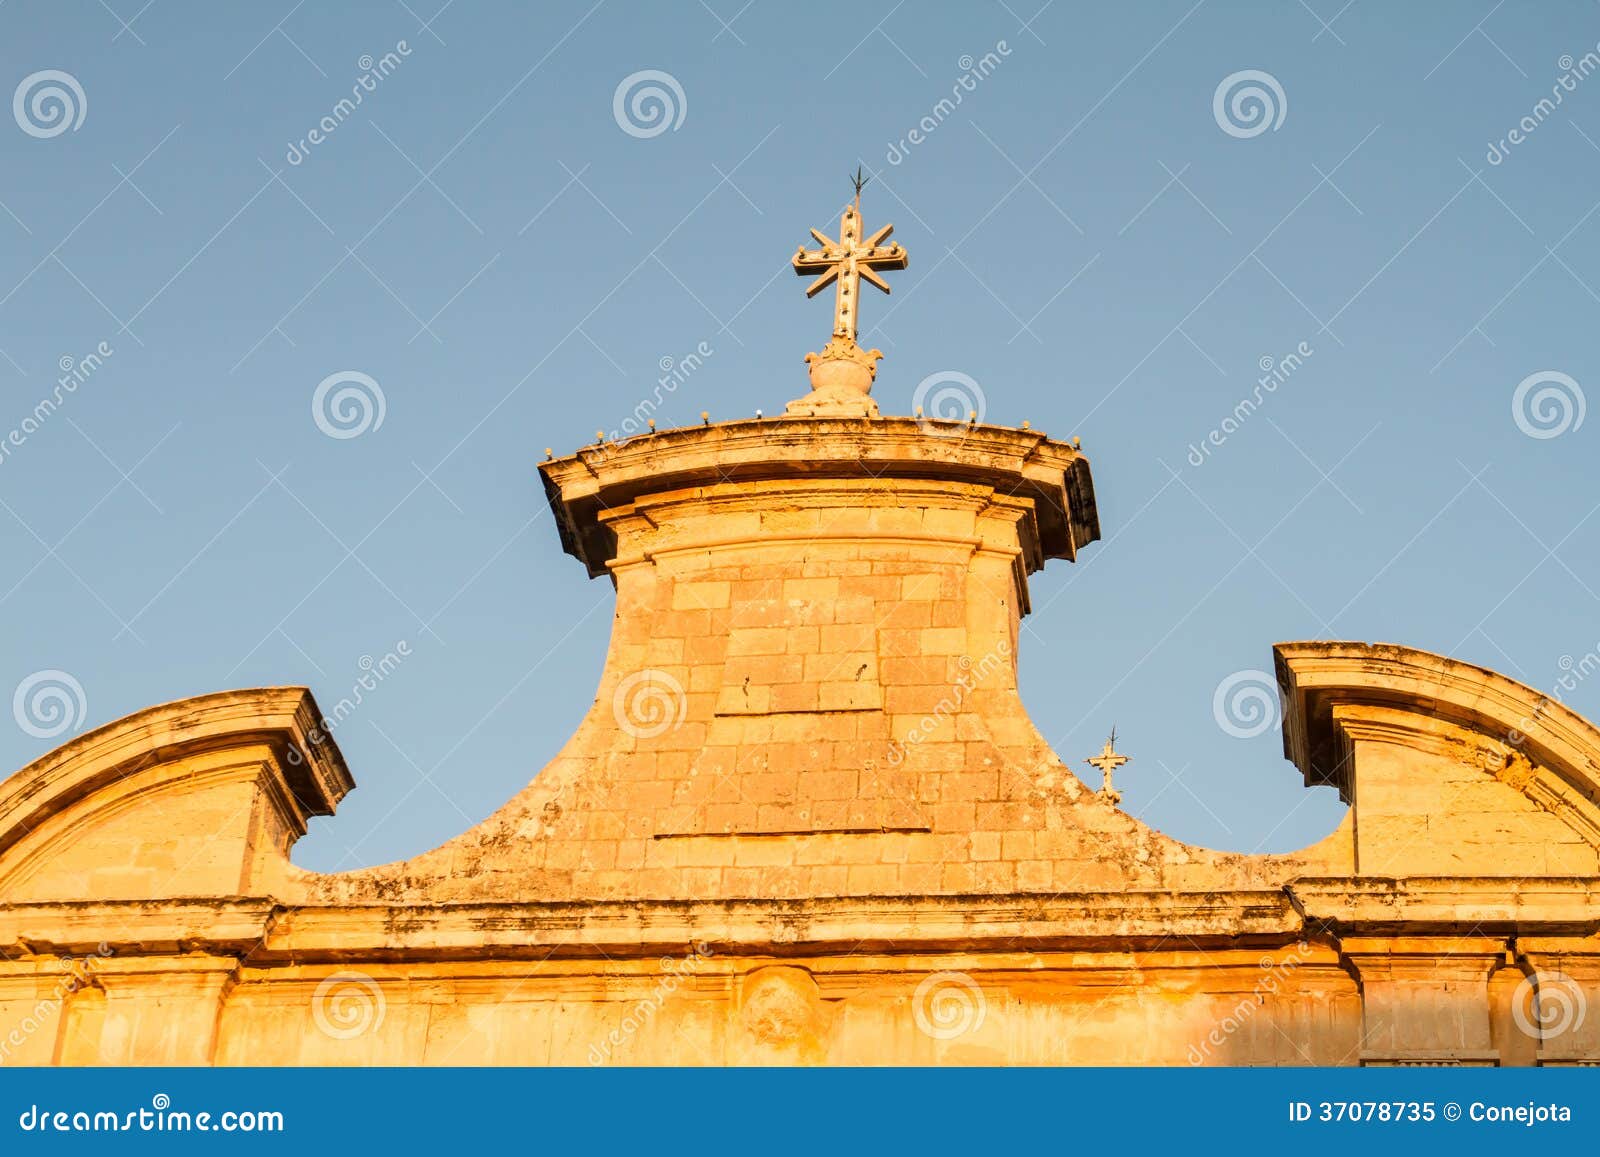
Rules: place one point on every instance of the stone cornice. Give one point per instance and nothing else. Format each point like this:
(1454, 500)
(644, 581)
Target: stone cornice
(1314, 677)
(1054, 475)
(155, 926)
(1561, 911)
(1449, 904)
(284, 721)
(266, 931)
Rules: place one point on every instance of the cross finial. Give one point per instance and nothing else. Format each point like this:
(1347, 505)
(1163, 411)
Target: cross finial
(842, 373)
(847, 261)
(1108, 761)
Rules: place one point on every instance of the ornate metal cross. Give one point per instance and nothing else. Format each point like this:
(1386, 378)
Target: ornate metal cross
(848, 260)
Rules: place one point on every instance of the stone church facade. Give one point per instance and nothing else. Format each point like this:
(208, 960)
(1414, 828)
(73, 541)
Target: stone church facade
(809, 821)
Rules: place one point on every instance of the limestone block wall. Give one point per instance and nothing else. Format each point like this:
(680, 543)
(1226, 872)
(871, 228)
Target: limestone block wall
(807, 820)
(811, 688)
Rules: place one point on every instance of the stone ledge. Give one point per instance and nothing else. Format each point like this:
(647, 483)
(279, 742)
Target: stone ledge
(1054, 475)
(1447, 903)
(268, 932)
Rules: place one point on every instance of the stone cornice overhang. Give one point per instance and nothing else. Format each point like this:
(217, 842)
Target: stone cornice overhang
(270, 933)
(309, 768)
(1480, 905)
(1315, 678)
(608, 476)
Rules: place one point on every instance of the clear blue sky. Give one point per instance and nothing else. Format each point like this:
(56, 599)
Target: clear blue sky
(482, 239)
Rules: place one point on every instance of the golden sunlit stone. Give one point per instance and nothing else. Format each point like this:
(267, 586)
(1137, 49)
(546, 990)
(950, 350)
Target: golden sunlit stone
(807, 820)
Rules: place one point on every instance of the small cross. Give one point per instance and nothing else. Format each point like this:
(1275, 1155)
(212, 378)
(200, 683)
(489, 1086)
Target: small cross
(1108, 761)
(847, 261)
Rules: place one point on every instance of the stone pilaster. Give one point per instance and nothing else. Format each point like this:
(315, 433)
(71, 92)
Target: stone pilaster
(1425, 1000)
(1563, 1009)
(33, 997)
(155, 1010)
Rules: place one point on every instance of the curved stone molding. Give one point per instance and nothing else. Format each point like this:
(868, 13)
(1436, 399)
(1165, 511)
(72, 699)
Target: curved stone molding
(190, 798)
(1450, 767)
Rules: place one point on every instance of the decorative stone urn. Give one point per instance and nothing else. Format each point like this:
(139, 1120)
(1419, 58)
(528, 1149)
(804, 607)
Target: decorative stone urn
(841, 380)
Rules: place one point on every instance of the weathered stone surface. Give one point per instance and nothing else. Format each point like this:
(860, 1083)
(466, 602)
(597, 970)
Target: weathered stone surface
(808, 821)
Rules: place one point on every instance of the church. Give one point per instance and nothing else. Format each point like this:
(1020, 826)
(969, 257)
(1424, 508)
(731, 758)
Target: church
(808, 820)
